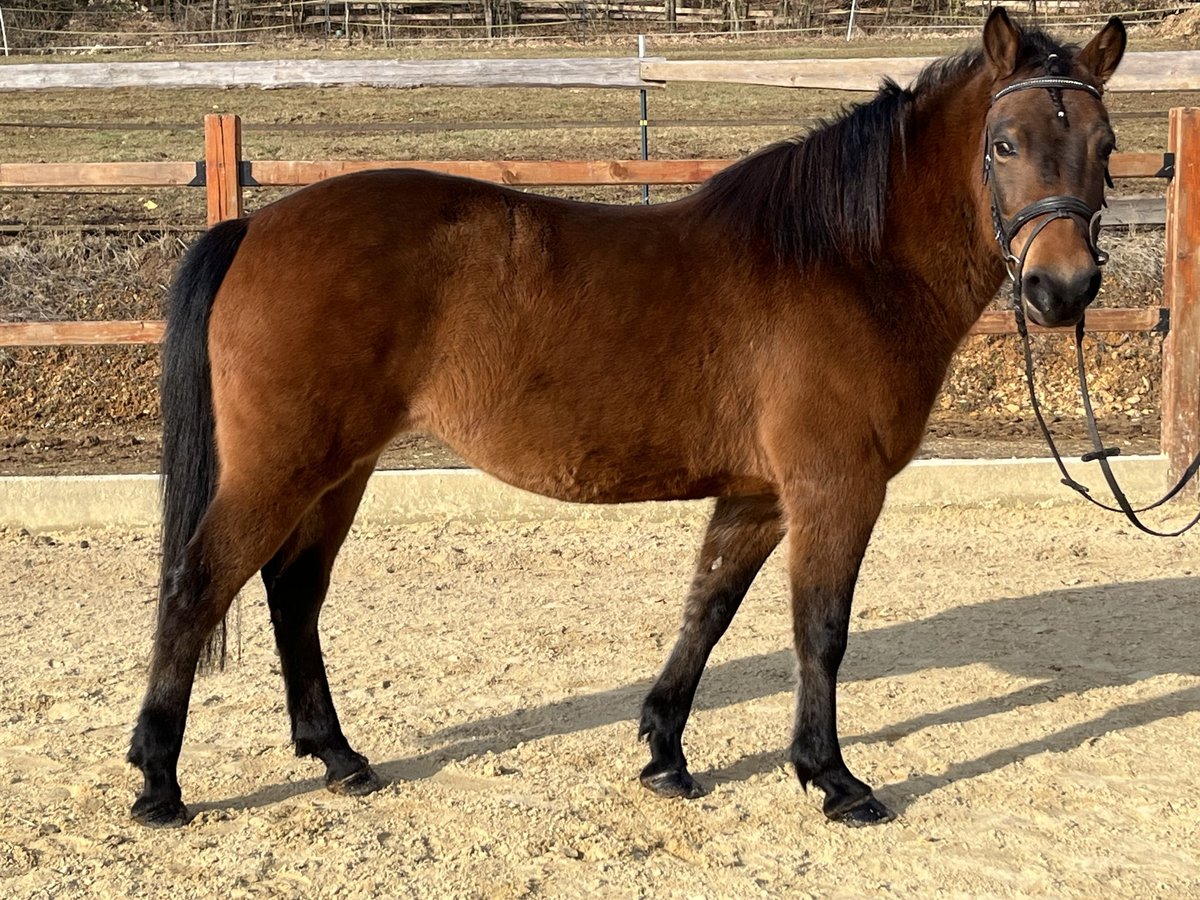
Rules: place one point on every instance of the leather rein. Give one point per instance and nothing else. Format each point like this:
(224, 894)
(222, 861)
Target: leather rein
(1065, 206)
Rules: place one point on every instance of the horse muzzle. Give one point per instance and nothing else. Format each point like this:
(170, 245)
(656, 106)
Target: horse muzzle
(1055, 290)
(1053, 300)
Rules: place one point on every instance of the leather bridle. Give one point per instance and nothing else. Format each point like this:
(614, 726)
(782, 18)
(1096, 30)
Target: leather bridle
(1048, 209)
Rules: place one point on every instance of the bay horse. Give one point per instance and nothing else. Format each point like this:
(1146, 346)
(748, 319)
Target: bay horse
(774, 340)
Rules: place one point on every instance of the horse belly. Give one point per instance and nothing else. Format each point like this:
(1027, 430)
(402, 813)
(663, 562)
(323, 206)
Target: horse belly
(588, 442)
(598, 477)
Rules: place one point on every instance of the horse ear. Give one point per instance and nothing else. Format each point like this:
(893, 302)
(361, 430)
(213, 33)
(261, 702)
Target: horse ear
(1104, 51)
(1001, 39)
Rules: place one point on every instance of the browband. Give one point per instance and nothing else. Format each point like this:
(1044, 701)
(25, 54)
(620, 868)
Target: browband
(1047, 82)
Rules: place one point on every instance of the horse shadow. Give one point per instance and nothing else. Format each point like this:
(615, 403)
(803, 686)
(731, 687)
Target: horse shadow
(1067, 641)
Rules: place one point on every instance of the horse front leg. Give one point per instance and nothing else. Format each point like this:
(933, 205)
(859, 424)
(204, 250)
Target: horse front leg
(741, 535)
(828, 533)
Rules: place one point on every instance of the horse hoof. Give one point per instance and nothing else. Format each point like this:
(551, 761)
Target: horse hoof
(673, 783)
(356, 784)
(868, 811)
(159, 813)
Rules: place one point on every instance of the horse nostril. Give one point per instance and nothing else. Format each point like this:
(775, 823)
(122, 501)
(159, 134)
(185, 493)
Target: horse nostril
(1035, 290)
(1081, 289)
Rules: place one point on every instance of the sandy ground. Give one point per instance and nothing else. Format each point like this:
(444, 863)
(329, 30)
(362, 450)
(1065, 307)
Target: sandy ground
(1022, 686)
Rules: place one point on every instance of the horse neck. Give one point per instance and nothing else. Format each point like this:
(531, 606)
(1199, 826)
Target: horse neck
(940, 211)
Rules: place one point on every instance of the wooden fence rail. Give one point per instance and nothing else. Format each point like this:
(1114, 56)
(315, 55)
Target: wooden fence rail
(523, 173)
(225, 176)
(599, 72)
(1172, 70)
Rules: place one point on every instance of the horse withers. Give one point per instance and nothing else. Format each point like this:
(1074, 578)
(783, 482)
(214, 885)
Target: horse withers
(774, 340)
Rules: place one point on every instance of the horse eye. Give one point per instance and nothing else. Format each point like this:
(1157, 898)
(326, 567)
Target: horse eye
(1107, 150)
(1004, 148)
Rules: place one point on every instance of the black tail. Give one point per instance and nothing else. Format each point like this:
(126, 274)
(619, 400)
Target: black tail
(189, 454)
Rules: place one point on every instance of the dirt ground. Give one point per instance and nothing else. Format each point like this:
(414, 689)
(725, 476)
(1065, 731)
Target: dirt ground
(1022, 686)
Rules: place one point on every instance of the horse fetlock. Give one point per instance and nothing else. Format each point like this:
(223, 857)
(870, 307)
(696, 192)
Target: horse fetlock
(314, 747)
(651, 722)
(136, 755)
(666, 744)
(645, 728)
(822, 767)
(809, 767)
(156, 742)
(662, 715)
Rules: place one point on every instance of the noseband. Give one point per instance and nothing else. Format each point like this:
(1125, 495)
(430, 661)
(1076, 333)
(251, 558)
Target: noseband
(1059, 206)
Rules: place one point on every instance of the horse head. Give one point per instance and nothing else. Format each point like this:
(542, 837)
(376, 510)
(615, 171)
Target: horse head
(1047, 141)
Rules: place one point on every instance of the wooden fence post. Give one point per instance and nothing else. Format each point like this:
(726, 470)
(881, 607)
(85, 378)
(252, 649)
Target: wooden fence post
(1181, 283)
(222, 167)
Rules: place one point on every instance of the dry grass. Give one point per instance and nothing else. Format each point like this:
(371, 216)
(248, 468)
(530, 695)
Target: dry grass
(71, 276)
(1134, 274)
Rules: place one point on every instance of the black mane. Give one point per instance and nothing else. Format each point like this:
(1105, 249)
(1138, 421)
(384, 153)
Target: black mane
(823, 197)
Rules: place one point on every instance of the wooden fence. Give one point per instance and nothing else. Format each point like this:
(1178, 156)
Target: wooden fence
(225, 175)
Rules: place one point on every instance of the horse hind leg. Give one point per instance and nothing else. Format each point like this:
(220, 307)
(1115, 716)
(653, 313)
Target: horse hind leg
(297, 579)
(740, 537)
(246, 523)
